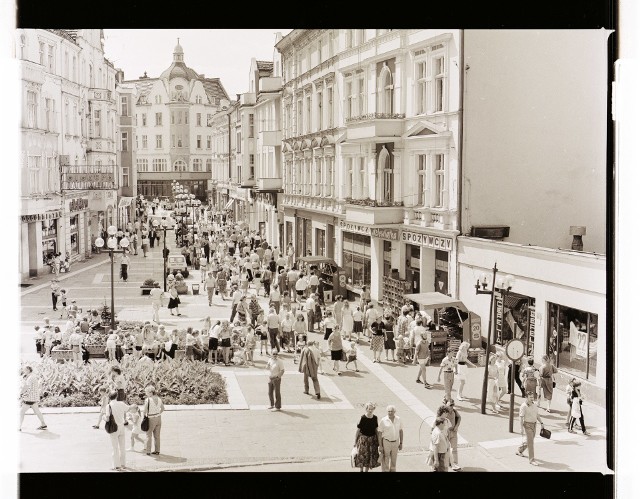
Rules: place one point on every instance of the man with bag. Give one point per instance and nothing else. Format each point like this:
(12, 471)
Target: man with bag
(528, 418)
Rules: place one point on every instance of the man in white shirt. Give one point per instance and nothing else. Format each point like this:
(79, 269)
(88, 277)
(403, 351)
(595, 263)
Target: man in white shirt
(276, 370)
(314, 281)
(301, 287)
(309, 306)
(235, 300)
(156, 295)
(292, 277)
(390, 435)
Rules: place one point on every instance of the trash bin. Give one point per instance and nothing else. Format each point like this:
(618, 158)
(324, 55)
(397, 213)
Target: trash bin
(195, 289)
(328, 296)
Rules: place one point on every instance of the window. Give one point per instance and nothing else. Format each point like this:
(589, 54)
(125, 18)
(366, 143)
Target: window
(144, 142)
(209, 165)
(438, 78)
(158, 99)
(158, 119)
(319, 51)
(349, 35)
(349, 104)
(124, 105)
(144, 119)
(179, 115)
(356, 258)
(251, 126)
(74, 74)
(361, 36)
(317, 180)
(198, 119)
(252, 166)
(186, 117)
(124, 141)
(49, 117)
(66, 64)
(91, 83)
(75, 119)
(137, 147)
(173, 117)
(387, 175)
(208, 141)
(198, 100)
(197, 165)
(66, 118)
(421, 87)
(125, 176)
(299, 120)
(180, 166)
(330, 177)
(173, 140)
(238, 142)
(319, 96)
(362, 96)
(307, 127)
(386, 257)
(41, 53)
(330, 106)
(199, 142)
(385, 90)
(51, 60)
(158, 141)
(438, 181)
(421, 160)
(179, 140)
(209, 119)
(157, 165)
(572, 340)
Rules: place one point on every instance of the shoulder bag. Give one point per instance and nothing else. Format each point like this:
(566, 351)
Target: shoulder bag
(144, 426)
(111, 426)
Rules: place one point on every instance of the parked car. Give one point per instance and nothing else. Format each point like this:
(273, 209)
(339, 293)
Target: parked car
(177, 263)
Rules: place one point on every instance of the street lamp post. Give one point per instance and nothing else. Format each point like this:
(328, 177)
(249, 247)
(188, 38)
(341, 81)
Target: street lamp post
(503, 288)
(112, 244)
(165, 251)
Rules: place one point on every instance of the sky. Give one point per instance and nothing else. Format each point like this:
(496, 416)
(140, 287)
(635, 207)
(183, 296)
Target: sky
(216, 53)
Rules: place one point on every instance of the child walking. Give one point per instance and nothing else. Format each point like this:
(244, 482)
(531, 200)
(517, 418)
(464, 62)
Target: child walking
(134, 417)
(352, 356)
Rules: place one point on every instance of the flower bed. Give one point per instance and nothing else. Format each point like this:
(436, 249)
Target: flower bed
(177, 382)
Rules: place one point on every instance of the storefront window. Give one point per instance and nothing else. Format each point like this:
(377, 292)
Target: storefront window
(572, 340)
(299, 237)
(356, 257)
(386, 252)
(73, 229)
(289, 233)
(307, 237)
(320, 242)
(49, 237)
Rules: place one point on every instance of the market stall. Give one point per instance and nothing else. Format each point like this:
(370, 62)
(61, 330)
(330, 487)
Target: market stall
(333, 278)
(454, 322)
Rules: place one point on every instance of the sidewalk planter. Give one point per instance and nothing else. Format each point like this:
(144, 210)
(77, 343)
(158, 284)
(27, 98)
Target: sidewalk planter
(147, 289)
(182, 288)
(96, 351)
(62, 355)
(179, 354)
(195, 289)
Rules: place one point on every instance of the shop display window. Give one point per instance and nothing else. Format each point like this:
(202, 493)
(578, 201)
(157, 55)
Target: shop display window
(572, 340)
(356, 258)
(386, 252)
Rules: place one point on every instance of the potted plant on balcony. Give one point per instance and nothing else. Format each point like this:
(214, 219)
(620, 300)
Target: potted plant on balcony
(148, 285)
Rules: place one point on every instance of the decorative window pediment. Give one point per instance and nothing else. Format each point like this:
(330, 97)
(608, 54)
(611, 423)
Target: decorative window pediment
(424, 128)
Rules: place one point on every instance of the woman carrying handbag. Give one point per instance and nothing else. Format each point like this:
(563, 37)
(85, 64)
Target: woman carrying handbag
(153, 408)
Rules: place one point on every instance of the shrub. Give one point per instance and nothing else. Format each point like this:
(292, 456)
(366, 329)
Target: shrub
(149, 282)
(177, 382)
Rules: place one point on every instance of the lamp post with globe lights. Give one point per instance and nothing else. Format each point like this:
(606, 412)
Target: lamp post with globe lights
(112, 245)
(165, 251)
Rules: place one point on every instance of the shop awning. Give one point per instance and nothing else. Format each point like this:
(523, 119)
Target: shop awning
(228, 205)
(435, 300)
(124, 202)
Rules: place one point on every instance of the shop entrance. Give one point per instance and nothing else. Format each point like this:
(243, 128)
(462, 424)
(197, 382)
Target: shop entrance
(412, 267)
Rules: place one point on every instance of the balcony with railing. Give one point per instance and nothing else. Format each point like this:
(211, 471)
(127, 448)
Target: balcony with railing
(375, 126)
(101, 94)
(269, 184)
(92, 177)
(371, 211)
(438, 218)
(270, 84)
(316, 203)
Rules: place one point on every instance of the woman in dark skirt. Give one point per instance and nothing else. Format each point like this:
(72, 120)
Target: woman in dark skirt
(335, 345)
(367, 440)
(174, 301)
(389, 341)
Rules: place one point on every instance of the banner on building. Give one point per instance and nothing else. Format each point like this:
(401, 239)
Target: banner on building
(427, 240)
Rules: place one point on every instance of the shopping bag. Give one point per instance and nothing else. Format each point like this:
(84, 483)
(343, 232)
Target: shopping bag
(354, 453)
(544, 433)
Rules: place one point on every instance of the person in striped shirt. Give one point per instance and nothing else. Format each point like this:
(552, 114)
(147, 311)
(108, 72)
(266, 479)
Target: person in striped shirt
(30, 396)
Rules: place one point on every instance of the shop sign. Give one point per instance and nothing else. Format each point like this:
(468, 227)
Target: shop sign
(384, 233)
(41, 216)
(427, 240)
(532, 326)
(78, 204)
(581, 344)
(499, 310)
(357, 228)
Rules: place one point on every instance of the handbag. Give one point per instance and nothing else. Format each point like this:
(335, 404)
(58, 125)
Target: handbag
(354, 453)
(144, 426)
(544, 433)
(111, 426)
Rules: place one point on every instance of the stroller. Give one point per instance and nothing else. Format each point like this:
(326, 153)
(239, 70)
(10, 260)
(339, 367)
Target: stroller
(300, 341)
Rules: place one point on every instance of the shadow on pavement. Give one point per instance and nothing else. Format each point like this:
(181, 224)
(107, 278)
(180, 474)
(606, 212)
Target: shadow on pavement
(294, 414)
(46, 435)
(472, 469)
(554, 466)
(565, 442)
(165, 458)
